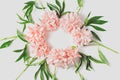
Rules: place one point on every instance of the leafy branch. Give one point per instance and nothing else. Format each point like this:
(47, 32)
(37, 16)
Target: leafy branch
(95, 23)
(59, 7)
(86, 59)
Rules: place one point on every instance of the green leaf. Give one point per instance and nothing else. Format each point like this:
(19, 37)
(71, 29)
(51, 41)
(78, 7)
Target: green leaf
(80, 64)
(100, 22)
(88, 64)
(98, 28)
(95, 35)
(86, 19)
(21, 18)
(17, 51)
(58, 3)
(24, 55)
(63, 7)
(93, 20)
(94, 60)
(21, 36)
(52, 7)
(6, 44)
(24, 27)
(36, 74)
(103, 58)
(30, 2)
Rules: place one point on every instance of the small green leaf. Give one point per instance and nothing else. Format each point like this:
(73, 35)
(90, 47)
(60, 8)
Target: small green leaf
(86, 19)
(58, 3)
(103, 58)
(80, 3)
(20, 57)
(99, 22)
(95, 35)
(98, 28)
(94, 60)
(6, 44)
(21, 36)
(17, 51)
(21, 18)
(24, 27)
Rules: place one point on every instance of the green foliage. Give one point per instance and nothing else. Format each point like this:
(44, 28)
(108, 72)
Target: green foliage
(17, 51)
(25, 55)
(21, 36)
(80, 3)
(6, 44)
(86, 59)
(44, 72)
(59, 7)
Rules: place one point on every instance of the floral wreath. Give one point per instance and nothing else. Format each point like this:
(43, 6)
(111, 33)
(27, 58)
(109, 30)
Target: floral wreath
(38, 52)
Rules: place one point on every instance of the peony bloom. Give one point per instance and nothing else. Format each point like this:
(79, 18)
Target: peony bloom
(82, 36)
(71, 21)
(50, 20)
(36, 37)
(63, 57)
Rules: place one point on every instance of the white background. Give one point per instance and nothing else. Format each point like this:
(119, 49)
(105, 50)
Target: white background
(108, 8)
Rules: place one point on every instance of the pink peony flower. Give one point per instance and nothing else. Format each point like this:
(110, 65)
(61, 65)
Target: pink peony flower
(71, 21)
(82, 36)
(50, 20)
(36, 37)
(63, 57)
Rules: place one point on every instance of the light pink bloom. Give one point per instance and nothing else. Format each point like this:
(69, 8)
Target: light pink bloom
(63, 57)
(82, 36)
(36, 37)
(71, 21)
(50, 20)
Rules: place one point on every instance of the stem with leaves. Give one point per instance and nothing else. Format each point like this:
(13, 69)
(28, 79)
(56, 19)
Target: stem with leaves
(6, 38)
(102, 45)
(25, 68)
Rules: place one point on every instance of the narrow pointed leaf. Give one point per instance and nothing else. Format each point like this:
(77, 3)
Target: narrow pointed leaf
(37, 73)
(58, 3)
(98, 28)
(94, 60)
(95, 35)
(17, 51)
(6, 44)
(102, 57)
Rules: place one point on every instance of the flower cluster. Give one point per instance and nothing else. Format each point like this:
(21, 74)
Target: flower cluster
(70, 23)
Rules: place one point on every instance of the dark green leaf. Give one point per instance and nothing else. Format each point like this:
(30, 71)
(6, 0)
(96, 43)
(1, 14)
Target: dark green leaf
(20, 57)
(6, 44)
(17, 51)
(100, 22)
(21, 36)
(103, 58)
(52, 7)
(93, 20)
(96, 36)
(98, 28)
(24, 27)
(46, 74)
(65, 13)
(63, 7)
(24, 55)
(88, 64)
(36, 74)
(58, 3)
(94, 60)
(80, 64)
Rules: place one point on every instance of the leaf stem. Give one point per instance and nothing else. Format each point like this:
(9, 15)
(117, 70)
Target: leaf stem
(102, 45)
(6, 38)
(25, 68)
(80, 75)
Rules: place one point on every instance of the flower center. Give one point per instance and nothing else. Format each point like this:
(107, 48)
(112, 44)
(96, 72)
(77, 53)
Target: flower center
(60, 39)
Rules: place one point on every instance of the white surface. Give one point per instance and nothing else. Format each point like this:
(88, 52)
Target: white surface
(108, 8)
